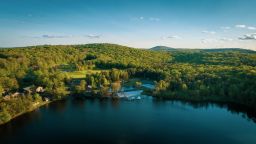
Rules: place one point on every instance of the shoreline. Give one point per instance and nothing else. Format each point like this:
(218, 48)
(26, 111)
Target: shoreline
(207, 100)
(27, 111)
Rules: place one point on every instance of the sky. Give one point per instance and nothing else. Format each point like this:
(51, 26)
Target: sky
(135, 23)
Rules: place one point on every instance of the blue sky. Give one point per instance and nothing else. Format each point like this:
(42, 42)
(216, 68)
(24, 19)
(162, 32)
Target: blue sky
(136, 23)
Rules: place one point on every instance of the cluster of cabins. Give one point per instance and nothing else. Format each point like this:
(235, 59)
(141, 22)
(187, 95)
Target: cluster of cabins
(26, 91)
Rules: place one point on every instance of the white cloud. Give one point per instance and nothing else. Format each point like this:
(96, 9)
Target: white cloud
(55, 36)
(241, 26)
(248, 37)
(154, 19)
(47, 36)
(91, 36)
(206, 41)
(251, 28)
(141, 18)
(246, 27)
(226, 28)
(226, 39)
(209, 32)
(172, 37)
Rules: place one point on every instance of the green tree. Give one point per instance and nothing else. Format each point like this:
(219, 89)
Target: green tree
(104, 81)
(115, 75)
(161, 85)
(104, 91)
(116, 87)
(81, 87)
(138, 84)
(59, 90)
(125, 75)
(37, 97)
(184, 87)
(4, 116)
(1, 91)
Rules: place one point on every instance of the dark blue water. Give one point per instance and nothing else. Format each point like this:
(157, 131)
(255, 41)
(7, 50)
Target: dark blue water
(125, 122)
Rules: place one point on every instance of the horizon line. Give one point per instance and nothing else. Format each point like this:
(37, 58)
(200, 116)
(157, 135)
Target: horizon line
(126, 46)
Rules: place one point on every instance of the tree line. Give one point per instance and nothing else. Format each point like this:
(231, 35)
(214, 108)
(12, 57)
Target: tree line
(189, 75)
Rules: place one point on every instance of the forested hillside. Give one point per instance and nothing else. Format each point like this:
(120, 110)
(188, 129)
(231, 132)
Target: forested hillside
(226, 76)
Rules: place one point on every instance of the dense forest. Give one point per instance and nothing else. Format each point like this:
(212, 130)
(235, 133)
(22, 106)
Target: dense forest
(31, 76)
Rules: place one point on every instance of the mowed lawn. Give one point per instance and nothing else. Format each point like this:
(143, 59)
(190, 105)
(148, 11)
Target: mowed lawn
(69, 69)
(82, 74)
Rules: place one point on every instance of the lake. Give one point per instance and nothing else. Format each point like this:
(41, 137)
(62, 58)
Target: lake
(125, 122)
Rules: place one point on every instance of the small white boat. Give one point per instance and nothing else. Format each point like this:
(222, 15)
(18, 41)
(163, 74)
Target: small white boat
(138, 98)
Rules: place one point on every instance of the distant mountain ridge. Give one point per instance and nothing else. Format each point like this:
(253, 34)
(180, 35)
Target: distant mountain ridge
(162, 48)
(170, 49)
(156, 48)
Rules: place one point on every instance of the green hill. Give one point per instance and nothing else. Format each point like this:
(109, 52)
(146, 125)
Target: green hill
(162, 48)
(170, 49)
(221, 75)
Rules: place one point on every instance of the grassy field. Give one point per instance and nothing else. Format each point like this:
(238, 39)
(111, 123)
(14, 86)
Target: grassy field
(77, 74)
(81, 74)
(71, 71)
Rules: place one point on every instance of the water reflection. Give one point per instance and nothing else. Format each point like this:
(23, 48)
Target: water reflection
(59, 106)
(77, 102)
(19, 123)
(245, 112)
(148, 119)
(115, 103)
(103, 104)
